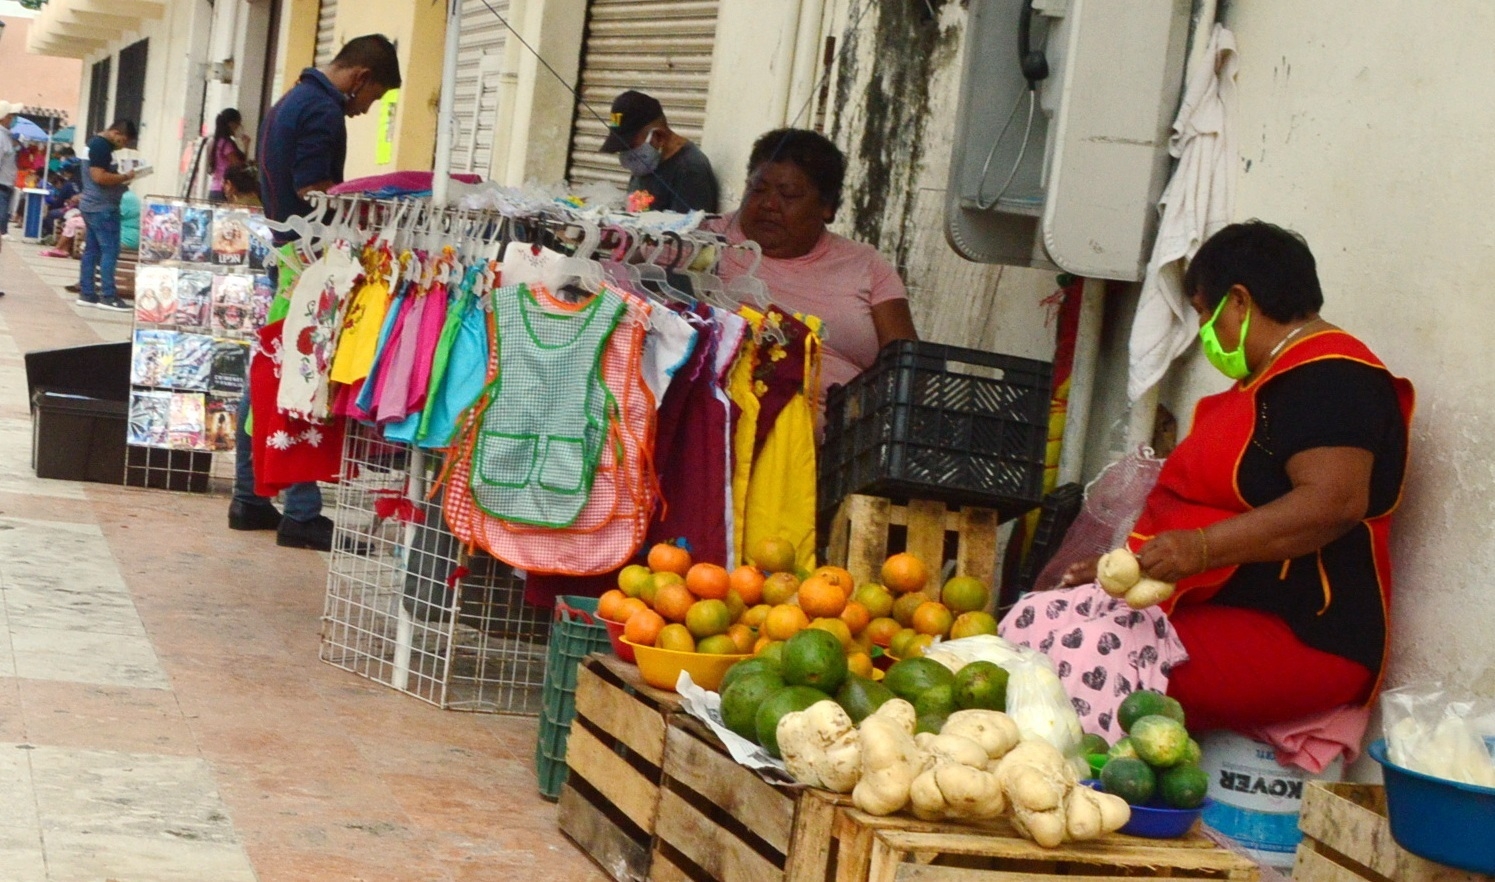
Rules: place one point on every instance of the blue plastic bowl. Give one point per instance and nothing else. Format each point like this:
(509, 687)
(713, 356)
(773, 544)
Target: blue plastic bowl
(1443, 821)
(1156, 821)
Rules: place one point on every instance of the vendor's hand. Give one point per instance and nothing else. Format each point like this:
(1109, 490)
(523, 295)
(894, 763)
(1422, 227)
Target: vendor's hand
(1079, 573)
(1172, 555)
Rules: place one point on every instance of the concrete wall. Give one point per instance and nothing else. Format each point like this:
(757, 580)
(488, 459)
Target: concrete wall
(38, 80)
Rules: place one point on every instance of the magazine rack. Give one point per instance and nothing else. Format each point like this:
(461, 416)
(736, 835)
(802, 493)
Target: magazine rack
(407, 607)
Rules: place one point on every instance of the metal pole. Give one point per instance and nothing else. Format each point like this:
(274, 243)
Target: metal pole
(1082, 380)
(445, 109)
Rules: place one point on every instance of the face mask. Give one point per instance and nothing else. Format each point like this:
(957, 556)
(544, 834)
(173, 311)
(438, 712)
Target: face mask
(1232, 364)
(643, 159)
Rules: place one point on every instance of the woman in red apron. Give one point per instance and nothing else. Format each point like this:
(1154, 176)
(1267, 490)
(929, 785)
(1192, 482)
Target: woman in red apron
(1273, 515)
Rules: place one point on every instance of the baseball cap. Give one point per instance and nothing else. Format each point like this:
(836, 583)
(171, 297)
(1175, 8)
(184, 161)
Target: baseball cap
(632, 110)
(7, 108)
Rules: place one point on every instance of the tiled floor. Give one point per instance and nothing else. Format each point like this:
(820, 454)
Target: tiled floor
(163, 714)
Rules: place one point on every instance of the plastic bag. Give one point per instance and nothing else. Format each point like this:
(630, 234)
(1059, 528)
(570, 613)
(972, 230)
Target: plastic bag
(1113, 502)
(1447, 736)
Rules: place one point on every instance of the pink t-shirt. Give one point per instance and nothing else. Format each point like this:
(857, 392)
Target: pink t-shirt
(839, 282)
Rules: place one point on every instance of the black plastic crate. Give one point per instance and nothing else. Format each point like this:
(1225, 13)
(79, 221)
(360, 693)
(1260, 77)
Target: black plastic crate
(928, 421)
(1059, 510)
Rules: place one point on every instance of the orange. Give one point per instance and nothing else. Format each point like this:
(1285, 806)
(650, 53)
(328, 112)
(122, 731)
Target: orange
(708, 618)
(856, 617)
(903, 607)
(933, 618)
(674, 602)
(965, 594)
(708, 580)
(819, 596)
(784, 621)
(657, 581)
(676, 637)
(734, 605)
(898, 646)
(628, 607)
(903, 573)
(835, 627)
(717, 644)
(881, 630)
(972, 623)
(779, 587)
(607, 604)
(759, 644)
(877, 599)
(860, 663)
(667, 558)
(916, 646)
(631, 579)
(643, 627)
(755, 615)
(772, 554)
(748, 583)
(839, 576)
(743, 637)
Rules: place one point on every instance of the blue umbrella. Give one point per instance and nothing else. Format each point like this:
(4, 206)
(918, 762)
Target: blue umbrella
(27, 130)
(64, 135)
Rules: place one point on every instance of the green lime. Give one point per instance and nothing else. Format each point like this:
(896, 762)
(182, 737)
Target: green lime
(741, 699)
(1184, 787)
(983, 685)
(1131, 779)
(859, 697)
(815, 658)
(785, 701)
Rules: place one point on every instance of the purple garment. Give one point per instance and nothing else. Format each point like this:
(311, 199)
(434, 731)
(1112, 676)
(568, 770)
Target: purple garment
(392, 397)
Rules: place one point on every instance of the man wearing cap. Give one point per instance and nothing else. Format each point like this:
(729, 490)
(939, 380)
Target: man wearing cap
(7, 166)
(661, 162)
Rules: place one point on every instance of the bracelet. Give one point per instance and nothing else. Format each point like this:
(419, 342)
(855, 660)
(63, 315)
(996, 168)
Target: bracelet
(1203, 550)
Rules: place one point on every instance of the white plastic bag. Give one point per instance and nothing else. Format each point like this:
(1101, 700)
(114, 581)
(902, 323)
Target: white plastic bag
(1447, 736)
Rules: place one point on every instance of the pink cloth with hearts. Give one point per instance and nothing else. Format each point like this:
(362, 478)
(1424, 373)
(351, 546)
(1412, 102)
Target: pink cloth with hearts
(1102, 649)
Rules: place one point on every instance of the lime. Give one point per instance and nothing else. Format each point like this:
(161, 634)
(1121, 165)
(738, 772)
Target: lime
(1184, 786)
(741, 699)
(1131, 779)
(785, 701)
(815, 658)
(912, 677)
(1138, 705)
(1123, 748)
(983, 685)
(1091, 743)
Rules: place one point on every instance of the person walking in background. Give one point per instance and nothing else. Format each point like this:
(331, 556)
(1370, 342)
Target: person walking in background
(303, 144)
(104, 187)
(661, 162)
(7, 167)
(230, 150)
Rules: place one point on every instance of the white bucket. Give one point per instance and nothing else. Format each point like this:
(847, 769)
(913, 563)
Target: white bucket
(1256, 800)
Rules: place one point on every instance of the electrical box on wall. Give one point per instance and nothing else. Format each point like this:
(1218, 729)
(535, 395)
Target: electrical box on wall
(1061, 138)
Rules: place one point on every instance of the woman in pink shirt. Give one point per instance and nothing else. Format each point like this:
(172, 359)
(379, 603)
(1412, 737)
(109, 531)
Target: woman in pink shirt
(793, 191)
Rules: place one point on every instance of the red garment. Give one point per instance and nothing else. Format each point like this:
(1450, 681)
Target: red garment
(1197, 486)
(1247, 669)
(287, 450)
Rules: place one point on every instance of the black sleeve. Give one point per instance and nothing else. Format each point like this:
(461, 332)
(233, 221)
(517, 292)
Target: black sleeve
(1331, 403)
(694, 184)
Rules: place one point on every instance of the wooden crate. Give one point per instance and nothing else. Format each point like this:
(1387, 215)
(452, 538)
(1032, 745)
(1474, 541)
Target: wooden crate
(1346, 838)
(719, 821)
(867, 848)
(861, 532)
(615, 754)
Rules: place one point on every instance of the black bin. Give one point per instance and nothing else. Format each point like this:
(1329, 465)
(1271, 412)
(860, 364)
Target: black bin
(79, 411)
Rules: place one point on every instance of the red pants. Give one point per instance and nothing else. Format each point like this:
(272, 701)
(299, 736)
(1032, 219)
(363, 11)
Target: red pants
(1247, 669)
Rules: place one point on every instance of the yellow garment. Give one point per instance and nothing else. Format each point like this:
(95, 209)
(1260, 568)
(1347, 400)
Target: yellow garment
(740, 391)
(359, 342)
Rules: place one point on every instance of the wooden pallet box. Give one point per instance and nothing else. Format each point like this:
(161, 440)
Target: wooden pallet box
(1346, 838)
(615, 753)
(867, 529)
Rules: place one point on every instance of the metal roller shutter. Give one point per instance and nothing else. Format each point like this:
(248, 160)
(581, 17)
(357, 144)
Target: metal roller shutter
(479, 66)
(326, 39)
(662, 47)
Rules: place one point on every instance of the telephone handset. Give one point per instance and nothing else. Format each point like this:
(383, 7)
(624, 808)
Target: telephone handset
(1034, 64)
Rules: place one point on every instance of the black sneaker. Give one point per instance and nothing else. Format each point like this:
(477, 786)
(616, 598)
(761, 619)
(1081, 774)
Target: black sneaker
(252, 516)
(115, 304)
(315, 534)
(72, 289)
(83, 301)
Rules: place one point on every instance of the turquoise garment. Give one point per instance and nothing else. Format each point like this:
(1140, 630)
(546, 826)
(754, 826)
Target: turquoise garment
(460, 370)
(129, 221)
(542, 433)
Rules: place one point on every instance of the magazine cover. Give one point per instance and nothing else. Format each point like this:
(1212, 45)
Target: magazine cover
(155, 295)
(150, 414)
(259, 303)
(221, 423)
(160, 231)
(191, 362)
(197, 234)
(231, 237)
(261, 240)
(231, 296)
(230, 367)
(150, 358)
(194, 299)
(185, 421)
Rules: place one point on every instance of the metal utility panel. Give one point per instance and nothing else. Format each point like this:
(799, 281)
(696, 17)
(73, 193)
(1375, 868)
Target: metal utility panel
(1080, 191)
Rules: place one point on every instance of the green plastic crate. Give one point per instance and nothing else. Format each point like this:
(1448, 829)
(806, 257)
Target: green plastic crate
(577, 633)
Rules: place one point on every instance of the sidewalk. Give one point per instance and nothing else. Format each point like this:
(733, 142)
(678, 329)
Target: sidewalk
(163, 713)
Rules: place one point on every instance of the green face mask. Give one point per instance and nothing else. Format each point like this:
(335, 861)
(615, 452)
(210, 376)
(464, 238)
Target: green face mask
(1232, 364)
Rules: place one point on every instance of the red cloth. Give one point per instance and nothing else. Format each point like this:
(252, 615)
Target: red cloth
(1247, 669)
(286, 450)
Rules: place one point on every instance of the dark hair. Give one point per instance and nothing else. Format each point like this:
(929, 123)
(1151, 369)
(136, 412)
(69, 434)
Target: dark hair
(223, 125)
(245, 178)
(126, 127)
(375, 52)
(821, 161)
(1272, 263)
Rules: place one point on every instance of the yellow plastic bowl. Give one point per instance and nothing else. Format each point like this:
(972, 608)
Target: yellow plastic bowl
(661, 667)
